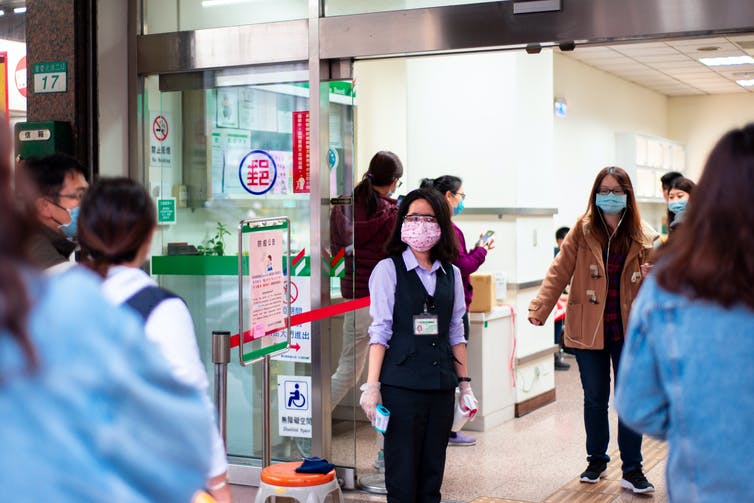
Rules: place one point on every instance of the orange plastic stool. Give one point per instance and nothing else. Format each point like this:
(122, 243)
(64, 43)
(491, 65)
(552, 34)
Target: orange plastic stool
(282, 481)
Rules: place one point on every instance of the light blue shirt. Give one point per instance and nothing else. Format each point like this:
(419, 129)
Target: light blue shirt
(101, 419)
(686, 375)
(382, 293)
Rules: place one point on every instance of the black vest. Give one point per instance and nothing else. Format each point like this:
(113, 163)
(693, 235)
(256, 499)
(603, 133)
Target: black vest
(422, 362)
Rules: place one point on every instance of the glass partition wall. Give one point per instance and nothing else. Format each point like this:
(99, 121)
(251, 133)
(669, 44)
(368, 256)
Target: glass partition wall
(217, 150)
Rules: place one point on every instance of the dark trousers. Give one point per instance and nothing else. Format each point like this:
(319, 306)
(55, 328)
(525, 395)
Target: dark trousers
(594, 367)
(415, 443)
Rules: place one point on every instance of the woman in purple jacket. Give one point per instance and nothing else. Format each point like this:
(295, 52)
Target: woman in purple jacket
(468, 261)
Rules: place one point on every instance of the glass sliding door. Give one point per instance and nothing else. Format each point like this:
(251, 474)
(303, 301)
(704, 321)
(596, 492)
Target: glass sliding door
(202, 134)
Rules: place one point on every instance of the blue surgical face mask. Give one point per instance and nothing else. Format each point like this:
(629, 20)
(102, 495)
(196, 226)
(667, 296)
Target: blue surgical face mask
(611, 204)
(458, 209)
(678, 206)
(70, 228)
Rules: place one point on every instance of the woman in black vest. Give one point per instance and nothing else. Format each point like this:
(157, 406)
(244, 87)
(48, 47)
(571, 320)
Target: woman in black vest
(417, 352)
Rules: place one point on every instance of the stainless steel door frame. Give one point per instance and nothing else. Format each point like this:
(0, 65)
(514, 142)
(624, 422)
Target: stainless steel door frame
(489, 25)
(437, 30)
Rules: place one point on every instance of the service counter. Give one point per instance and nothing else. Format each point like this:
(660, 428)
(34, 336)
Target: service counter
(491, 360)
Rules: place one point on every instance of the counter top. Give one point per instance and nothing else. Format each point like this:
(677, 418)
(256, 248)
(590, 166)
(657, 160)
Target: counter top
(495, 313)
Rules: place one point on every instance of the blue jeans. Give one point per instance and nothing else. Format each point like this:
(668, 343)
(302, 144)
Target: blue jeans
(594, 367)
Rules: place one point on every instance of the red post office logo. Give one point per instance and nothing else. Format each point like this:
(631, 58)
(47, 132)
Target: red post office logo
(257, 172)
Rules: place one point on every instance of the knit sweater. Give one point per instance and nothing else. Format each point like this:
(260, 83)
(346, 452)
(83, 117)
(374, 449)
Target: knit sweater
(468, 262)
(364, 237)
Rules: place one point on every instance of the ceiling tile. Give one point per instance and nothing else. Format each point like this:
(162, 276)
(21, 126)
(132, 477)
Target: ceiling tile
(672, 67)
(637, 51)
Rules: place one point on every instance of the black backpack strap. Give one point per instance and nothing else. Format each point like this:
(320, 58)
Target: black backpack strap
(148, 298)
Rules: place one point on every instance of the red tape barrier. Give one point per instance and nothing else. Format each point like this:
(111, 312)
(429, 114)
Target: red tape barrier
(313, 315)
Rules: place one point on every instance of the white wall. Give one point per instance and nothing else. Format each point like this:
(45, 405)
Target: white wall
(380, 115)
(112, 73)
(599, 105)
(699, 121)
(486, 118)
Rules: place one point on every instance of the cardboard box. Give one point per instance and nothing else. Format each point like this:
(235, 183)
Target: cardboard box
(484, 293)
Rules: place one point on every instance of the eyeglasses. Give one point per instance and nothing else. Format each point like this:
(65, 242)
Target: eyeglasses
(618, 191)
(399, 183)
(462, 195)
(429, 219)
(77, 197)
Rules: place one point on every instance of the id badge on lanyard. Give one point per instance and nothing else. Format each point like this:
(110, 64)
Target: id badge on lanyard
(426, 323)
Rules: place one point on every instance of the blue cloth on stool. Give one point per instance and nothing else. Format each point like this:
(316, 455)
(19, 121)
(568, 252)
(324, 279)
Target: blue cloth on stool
(315, 465)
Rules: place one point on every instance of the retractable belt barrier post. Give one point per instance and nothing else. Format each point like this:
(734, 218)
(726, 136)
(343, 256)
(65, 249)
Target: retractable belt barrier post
(221, 358)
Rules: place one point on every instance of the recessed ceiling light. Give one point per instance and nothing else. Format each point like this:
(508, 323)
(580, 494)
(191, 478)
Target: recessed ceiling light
(19, 10)
(745, 83)
(708, 48)
(727, 61)
(2, 12)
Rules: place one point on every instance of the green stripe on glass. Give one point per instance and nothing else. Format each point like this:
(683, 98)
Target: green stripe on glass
(259, 353)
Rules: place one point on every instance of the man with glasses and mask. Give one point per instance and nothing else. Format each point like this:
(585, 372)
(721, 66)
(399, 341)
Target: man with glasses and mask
(60, 184)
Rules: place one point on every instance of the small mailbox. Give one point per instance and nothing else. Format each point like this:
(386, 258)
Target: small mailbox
(35, 139)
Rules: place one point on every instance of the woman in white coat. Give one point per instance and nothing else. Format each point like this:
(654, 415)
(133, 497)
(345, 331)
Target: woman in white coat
(116, 224)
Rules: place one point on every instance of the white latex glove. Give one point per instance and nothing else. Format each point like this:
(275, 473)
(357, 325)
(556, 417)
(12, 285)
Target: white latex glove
(370, 397)
(466, 391)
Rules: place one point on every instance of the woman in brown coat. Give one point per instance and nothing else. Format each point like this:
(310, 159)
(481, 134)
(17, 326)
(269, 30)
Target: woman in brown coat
(602, 257)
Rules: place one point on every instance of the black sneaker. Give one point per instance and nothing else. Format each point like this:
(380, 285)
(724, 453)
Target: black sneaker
(636, 482)
(560, 364)
(594, 472)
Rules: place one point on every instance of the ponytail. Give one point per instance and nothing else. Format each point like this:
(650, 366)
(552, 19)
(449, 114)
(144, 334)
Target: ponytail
(443, 184)
(384, 168)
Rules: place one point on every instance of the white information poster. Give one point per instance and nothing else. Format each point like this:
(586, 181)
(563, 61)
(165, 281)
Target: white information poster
(267, 285)
(160, 139)
(229, 146)
(227, 107)
(294, 406)
(300, 349)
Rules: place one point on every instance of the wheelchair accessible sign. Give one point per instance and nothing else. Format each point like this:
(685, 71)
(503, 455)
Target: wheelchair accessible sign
(294, 406)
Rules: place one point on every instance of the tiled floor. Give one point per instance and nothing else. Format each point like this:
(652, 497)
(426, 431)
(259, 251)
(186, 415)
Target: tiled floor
(536, 458)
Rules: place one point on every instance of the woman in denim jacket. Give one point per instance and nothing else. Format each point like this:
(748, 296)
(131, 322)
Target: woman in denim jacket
(90, 411)
(686, 374)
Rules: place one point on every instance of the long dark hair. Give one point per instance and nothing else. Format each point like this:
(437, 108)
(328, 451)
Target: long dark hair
(442, 184)
(117, 216)
(384, 168)
(630, 225)
(446, 249)
(15, 223)
(680, 183)
(710, 256)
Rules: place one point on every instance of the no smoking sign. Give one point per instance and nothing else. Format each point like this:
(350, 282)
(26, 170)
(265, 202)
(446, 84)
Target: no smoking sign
(160, 128)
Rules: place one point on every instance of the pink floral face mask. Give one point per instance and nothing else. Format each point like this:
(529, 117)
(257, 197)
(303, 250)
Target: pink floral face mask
(421, 236)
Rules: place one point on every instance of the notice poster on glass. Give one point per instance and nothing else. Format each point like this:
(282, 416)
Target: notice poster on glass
(160, 139)
(267, 299)
(228, 148)
(227, 107)
(300, 349)
(301, 152)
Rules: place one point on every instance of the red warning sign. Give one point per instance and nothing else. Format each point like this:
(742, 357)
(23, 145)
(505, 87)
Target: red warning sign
(160, 128)
(20, 75)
